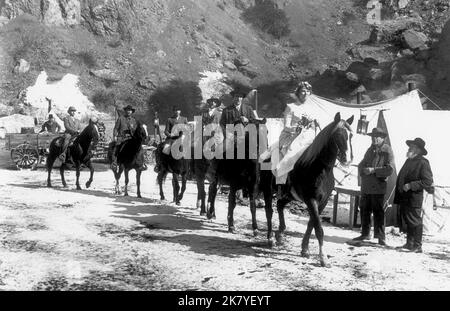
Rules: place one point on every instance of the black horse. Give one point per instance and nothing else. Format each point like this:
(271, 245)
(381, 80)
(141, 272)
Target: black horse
(79, 152)
(130, 156)
(178, 168)
(312, 181)
(242, 172)
(205, 169)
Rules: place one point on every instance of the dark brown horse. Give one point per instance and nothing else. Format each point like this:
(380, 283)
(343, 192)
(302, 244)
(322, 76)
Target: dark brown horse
(79, 152)
(179, 169)
(130, 156)
(242, 172)
(312, 181)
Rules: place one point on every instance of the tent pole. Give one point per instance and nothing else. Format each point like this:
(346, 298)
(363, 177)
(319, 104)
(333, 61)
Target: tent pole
(358, 98)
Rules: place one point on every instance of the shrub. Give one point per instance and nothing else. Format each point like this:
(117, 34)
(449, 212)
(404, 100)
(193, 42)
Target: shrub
(103, 100)
(88, 58)
(185, 94)
(266, 16)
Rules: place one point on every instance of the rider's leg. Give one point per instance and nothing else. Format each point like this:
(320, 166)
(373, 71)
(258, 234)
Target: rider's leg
(66, 142)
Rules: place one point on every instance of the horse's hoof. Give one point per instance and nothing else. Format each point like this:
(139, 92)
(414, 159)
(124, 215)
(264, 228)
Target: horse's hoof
(162, 198)
(78, 187)
(126, 194)
(211, 216)
(49, 185)
(324, 263)
(279, 238)
(255, 232)
(270, 242)
(178, 203)
(202, 214)
(231, 229)
(88, 184)
(139, 196)
(305, 254)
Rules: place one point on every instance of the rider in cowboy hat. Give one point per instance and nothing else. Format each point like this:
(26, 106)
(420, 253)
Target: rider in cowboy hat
(123, 130)
(414, 177)
(376, 166)
(73, 128)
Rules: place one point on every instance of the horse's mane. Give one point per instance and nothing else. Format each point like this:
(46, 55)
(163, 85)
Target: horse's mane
(320, 142)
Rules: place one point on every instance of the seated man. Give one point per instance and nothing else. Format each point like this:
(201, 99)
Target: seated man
(50, 125)
(73, 128)
(124, 130)
(177, 118)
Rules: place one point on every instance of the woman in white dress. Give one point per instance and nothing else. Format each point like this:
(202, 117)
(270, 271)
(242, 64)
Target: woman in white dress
(298, 133)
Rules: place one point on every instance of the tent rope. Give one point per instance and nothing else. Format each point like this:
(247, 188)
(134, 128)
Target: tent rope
(429, 99)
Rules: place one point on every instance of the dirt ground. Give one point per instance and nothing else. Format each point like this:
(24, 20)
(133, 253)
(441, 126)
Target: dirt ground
(63, 239)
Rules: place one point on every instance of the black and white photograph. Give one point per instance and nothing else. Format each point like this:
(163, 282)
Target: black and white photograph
(235, 147)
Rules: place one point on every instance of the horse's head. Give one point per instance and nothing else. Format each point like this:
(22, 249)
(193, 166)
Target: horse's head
(342, 136)
(141, 132)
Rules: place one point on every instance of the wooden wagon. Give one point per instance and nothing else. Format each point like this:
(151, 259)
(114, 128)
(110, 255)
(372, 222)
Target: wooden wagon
(28, 150)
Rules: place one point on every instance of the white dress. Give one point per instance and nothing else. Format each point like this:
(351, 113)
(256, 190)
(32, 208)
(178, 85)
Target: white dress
(295, 115)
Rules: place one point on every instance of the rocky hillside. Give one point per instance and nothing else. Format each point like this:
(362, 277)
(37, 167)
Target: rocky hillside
(151, 53)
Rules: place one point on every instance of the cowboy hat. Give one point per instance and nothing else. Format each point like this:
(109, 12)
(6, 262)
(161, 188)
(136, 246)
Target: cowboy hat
(238, 93)
(71, 108)
(420, 143)
(377, 132)
(129, 107)
(303, 85)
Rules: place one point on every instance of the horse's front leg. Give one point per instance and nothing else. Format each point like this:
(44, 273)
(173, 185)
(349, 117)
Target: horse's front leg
(138, 182)
(91, 176)
(201, 195)
(282, 225)
(126, 181)
(160, 178)
(231, 206)
(61, 172)
(267, 191)
(77, 167)
(212, 192)
(176, 188)
(183, 187)
(306, 237)
(251, 198)
(313, 208)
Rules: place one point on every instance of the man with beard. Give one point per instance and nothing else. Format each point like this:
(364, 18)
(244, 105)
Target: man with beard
(376, 166)
(414, 177)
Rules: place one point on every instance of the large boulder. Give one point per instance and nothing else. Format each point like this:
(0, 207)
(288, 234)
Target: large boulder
(106, 74)
(414, 39)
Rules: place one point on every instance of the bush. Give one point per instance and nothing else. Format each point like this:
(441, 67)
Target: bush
(185, 94)
(87, 57)
(266, 16)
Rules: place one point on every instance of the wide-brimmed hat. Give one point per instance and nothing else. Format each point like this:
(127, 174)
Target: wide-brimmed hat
(378, 132)
(420, 143)
(238, 93)
(129, 107)
(71, 108)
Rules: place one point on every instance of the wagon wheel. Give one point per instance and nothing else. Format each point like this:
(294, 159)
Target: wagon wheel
(25, 156)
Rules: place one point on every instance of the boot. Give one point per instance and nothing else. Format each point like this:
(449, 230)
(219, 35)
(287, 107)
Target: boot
(362, 237)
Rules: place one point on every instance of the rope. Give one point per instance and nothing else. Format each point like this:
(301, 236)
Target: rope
(429, 99)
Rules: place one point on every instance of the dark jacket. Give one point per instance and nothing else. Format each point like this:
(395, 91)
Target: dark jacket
(125, 127)
(72, 125)
(417, 173)
(231, 115)
(171, 122)
(382, 159)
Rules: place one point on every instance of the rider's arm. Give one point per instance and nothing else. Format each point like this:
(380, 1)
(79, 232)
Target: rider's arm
(116, 128)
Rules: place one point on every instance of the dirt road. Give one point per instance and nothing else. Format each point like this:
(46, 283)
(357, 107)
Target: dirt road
(63, 239)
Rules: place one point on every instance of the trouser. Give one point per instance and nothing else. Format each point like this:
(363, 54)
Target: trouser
(372, 203)
(412, 218)
(66, 142)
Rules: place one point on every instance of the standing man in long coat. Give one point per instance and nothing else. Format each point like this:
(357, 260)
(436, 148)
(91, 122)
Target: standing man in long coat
(376, 166)
(414, 177)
